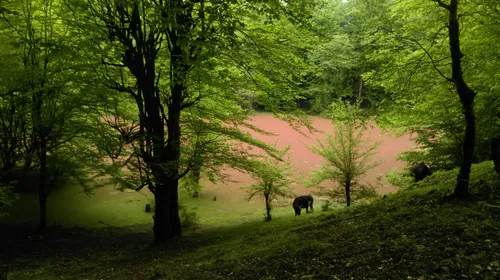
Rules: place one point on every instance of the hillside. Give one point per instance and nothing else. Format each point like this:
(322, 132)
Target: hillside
(417, 233)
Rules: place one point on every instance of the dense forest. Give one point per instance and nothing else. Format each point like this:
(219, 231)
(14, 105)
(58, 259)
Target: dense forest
(161, 96)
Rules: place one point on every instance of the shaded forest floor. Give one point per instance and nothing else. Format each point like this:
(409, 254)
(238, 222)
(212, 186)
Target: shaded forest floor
(417, 233)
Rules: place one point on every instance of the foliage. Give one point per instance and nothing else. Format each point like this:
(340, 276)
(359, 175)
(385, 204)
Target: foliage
(411, 55)
(212, 53)
(333, 59)
(348, 156)
(214, 139)
(189, 218)
(272, 175)
(338, 58)
(326, 206)
(400, 178)
(44, 104)
(7, 197)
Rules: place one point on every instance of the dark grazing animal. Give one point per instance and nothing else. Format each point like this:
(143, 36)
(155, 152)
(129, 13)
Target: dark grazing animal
(348, 99)
(420, 171)
(365, 104)
(304, 201)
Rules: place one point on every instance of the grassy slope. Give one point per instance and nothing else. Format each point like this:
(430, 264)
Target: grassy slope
(415, 234)
(69, 206)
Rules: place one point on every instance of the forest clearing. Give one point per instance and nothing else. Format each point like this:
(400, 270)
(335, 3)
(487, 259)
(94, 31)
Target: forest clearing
(110, 207)
(249, 139)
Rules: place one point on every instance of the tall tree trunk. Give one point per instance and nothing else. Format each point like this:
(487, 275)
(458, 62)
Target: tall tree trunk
(167, 224)
(466, 95)
(164, 164)
(462, 188)
(348, 193)
(42, 186)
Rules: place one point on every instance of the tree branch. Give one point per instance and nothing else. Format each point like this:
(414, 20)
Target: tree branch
(432, 61)
(442, 4)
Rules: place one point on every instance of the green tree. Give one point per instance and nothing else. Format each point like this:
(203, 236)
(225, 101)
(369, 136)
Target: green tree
(333, 59)
(139, 41)
(14, 106)
(348, 156)
(272, 175)
(213, 140)
(47, 94)
(430, 76)
(465, 93)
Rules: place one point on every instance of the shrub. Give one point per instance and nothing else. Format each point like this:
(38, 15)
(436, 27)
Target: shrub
(272, 176)
(400, 179)
(189, 218)
(326, 206)
(348, 157)
(7, 197)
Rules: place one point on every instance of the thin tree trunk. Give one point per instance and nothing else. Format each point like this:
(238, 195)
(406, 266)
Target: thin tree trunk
(268, 208)
(348, 193)
(360, 88)
(466, 95)
(42, 186)
(462, 188)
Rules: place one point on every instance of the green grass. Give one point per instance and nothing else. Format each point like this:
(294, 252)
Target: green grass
(68, 207)
(418, 233)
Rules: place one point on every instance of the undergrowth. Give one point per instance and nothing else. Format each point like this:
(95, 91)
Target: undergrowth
(417, 233)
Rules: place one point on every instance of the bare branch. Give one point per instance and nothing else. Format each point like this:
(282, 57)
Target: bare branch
(141, 186)
(432, 60)
(184, 173)
(442, 4)
(192, 102)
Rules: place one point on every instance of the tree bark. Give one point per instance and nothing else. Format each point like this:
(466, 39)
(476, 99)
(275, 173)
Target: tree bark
(462, 188)
(348, 193)
(167, 224)
(161, 153)
(164, 164)
(466, 95)
(42, 186)
(360, 88)
(268, 208)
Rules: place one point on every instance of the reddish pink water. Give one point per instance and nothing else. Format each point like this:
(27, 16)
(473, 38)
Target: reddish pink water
(304, 161)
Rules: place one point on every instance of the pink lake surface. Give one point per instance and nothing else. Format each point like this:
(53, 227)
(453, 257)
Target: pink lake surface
(304, 161)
